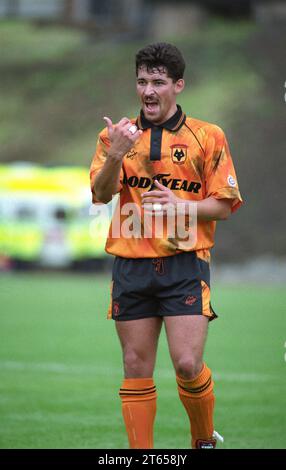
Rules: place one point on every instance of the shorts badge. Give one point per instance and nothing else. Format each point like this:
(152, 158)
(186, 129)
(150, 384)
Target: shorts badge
(116, 308)
(190, 300)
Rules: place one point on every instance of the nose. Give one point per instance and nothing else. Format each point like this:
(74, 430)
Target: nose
(149, 90)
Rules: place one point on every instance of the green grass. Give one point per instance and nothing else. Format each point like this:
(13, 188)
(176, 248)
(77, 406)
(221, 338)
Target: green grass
(24, 43)
(60, 367)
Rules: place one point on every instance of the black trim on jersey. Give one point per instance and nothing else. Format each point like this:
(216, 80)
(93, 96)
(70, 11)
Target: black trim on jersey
(155, 143)
(173, 124)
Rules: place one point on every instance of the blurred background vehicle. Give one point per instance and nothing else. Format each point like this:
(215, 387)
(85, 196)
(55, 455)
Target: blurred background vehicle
(45, 219)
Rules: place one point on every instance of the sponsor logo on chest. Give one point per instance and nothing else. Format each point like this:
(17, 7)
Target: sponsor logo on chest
(164, 178)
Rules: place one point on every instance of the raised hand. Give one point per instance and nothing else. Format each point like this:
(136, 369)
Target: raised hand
(122, 136)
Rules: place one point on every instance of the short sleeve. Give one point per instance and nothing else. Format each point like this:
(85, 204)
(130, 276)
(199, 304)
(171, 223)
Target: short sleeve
(98, 161)
(220, 176)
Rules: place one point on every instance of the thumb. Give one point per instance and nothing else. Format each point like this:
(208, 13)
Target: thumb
(139, 132)
(108, 124)
(159, 185)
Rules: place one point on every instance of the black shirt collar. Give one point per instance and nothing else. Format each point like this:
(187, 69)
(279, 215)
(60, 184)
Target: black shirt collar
(173, 124)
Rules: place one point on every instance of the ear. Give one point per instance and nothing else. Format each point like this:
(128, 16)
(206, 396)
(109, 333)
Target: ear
(179, 85)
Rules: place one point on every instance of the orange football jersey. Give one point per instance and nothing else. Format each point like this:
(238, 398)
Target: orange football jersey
(189, 156)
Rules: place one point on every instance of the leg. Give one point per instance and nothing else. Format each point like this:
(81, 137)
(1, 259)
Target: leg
(186, 338)
(139, 340)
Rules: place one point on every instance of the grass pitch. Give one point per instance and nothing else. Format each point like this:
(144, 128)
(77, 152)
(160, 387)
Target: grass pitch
(60, 367)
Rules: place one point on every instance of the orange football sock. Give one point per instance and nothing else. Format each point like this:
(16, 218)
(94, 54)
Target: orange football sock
(139, 409)
(198, 399)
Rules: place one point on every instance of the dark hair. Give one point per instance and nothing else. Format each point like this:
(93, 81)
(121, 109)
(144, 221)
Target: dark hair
(160, 55)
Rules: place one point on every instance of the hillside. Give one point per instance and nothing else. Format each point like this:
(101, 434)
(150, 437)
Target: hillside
(57, 84)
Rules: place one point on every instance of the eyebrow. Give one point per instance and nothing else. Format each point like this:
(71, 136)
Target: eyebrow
(162, 79)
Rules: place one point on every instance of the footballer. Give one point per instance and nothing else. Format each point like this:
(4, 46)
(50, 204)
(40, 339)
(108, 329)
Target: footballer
(164, 159)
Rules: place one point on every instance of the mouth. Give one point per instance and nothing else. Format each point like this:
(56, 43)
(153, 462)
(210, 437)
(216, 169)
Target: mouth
(151, 106)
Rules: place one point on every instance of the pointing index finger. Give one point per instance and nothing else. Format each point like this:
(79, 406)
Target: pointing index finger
(159, 185)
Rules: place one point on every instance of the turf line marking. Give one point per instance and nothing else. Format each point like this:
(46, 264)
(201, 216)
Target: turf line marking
(107, 370)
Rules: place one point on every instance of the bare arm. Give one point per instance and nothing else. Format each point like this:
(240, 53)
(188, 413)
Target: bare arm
(122, 140)
(107, 181)
(214, 209)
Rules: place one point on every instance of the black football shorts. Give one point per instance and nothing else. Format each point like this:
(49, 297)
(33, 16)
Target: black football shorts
(168, 286)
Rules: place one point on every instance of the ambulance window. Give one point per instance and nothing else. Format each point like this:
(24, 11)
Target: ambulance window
(25, 213)
(61, 214)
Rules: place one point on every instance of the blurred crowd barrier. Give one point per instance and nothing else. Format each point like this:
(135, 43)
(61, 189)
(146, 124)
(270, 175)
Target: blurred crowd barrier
(45, 218)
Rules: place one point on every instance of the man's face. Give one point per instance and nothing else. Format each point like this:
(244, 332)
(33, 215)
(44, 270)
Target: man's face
(157, 93)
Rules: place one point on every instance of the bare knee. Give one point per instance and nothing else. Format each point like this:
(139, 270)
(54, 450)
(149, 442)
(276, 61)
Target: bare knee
(136, 364)
(188, 367)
